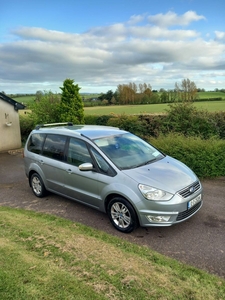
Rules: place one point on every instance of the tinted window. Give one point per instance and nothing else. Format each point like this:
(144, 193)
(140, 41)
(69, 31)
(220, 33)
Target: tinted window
(78, 152)
(54, 146)
(36, 142)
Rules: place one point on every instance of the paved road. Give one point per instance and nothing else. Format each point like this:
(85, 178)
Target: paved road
(200, 241)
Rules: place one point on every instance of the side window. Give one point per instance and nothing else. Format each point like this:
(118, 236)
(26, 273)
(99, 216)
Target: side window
(35, 143)
(78, 152)
(54, 146)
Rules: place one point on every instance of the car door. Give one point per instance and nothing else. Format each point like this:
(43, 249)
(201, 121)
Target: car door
(52, 162)
(84, 186)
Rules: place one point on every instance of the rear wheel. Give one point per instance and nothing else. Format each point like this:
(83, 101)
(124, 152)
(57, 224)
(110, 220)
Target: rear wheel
(122, 215)
(37, 185)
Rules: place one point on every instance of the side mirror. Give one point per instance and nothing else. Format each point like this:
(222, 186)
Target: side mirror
(86, 167)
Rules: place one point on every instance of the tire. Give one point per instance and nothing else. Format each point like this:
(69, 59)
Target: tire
(37, 185)
(122, 215)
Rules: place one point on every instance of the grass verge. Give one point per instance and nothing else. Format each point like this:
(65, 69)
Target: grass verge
(46, 257)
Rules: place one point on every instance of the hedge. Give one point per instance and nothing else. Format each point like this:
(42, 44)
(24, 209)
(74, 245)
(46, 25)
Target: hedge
(202, 124)
(205, 157)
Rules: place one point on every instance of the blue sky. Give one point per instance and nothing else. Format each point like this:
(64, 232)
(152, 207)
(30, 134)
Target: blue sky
(101, 44)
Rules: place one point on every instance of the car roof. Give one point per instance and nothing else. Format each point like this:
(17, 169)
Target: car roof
(89, 131)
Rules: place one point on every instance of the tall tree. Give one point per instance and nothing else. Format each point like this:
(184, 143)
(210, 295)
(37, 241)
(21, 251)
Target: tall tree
(125, 93)
(71, 105)
(187, 91)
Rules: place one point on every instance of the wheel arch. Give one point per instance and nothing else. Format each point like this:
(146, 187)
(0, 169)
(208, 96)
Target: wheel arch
(30, 174)
(34, 168)
(115, 195)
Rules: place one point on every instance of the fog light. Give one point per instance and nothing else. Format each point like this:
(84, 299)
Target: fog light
(158, 219)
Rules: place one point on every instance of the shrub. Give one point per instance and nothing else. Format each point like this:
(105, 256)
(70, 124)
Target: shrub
(45, 108)
(187, 119)
(219, 120)
(204, 157)
(26, 125)
(97, 120)
(90, 119)
(151, 124)
(128, 122)
(103, 120)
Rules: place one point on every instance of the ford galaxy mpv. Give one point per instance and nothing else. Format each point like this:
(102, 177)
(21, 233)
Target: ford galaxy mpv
(113, 171)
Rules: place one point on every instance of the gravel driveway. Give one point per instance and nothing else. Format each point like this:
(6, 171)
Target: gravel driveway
(200, 241)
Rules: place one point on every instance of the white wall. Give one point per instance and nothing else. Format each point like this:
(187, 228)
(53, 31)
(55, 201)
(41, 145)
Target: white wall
(10, 137)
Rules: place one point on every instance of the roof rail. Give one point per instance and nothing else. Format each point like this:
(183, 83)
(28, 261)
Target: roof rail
(37, 127)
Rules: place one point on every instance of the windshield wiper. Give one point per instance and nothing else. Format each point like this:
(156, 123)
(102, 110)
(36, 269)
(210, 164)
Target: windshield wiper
(142, 164)
(153, 160)
(150, 161)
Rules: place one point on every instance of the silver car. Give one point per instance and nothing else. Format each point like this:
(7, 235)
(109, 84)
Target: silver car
(113, 171)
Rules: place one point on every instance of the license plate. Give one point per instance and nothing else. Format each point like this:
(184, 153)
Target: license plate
(194, 201)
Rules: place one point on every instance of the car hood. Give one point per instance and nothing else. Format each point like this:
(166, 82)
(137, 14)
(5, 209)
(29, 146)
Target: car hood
(167, 174)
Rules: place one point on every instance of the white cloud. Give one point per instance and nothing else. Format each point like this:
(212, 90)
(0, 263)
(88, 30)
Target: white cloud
(172, 19)
(135, 19)
(220, 36)
(103, 57)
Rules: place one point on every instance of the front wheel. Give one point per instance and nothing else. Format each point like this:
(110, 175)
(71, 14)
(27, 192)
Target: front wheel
(122, 215)
(37, 185)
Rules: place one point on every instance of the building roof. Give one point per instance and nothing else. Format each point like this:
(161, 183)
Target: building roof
(16, 104)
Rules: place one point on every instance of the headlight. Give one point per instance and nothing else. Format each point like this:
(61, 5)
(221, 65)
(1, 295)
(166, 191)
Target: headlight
(151, 193)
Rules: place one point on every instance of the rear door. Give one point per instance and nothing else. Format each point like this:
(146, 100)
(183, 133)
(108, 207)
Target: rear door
(52, 162)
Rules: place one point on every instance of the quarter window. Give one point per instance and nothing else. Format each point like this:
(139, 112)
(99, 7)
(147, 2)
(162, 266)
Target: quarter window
(35, 143)
(102, 164)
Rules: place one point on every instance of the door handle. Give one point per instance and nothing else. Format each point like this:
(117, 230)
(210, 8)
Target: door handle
(69, 171)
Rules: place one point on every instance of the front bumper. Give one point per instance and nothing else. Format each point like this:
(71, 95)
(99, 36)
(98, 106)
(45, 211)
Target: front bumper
(168, 213)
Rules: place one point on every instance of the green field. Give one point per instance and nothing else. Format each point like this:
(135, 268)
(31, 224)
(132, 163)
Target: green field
(211, 106)
(24, 99)
(208, 95)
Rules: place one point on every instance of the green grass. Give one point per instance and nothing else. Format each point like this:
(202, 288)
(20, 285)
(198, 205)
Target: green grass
(126, 109)
(211, 106)
(46, 257)
(24, 99)
(208, 95)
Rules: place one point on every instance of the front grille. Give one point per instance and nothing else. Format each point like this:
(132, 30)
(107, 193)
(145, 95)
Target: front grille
(187, 213)
(190, 189)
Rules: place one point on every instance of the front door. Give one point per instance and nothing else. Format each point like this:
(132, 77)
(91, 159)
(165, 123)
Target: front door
(80, 185)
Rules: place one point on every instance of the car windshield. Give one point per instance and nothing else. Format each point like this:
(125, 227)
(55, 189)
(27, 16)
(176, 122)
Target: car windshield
(128, 151)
